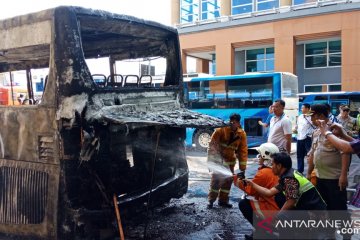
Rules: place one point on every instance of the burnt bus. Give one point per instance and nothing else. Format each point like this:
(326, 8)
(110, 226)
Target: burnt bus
(78, 138)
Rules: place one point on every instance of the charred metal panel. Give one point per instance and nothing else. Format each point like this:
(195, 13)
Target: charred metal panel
(74, 76)
(20, 130)
(24, 195)
(33, 34)
(46, 148)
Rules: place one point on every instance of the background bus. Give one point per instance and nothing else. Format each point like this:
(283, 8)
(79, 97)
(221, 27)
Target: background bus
(335, 99)
(249, 94)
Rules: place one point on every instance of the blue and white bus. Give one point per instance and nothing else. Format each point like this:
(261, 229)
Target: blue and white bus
(248, 94)
(334, 99)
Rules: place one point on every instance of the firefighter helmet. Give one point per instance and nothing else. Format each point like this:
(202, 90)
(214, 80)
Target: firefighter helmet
(266, 150)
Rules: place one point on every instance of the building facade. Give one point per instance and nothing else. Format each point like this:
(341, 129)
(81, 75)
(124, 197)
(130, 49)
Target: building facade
(319, 41)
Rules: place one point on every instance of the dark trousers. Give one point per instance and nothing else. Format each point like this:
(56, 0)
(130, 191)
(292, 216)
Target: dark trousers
(302, 148)
(334, 198)
(246, 209)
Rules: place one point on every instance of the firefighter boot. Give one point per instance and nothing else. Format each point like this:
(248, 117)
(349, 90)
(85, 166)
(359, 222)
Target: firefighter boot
(210, 205)
(225, 204)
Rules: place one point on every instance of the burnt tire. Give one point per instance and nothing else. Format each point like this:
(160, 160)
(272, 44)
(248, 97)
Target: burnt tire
(202, 138)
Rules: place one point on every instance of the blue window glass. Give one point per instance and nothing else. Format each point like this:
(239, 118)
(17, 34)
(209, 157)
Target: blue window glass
(316, 48)
(237, 2)
(255, 54)
(315, 61)
(189, 11)
(310, 88)
(323, 54)
(259, 60)
(251, 66)
(298, 2)
(270, 65)
(241, 6)
(334, 88)
(242, 9)
(210, 9)
(334, 46)
(334, 60)
(267, 5)
(270, 53)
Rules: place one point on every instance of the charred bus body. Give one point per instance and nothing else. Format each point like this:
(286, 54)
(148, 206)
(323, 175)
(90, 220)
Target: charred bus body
(64, 156)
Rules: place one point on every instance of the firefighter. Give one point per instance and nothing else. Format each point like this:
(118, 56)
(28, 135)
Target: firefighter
(264, 177)
(226, 144)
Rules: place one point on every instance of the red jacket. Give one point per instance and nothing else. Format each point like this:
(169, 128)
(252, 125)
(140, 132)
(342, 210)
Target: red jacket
(265, 178)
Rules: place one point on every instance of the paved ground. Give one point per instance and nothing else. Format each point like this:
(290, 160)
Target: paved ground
(188, 218)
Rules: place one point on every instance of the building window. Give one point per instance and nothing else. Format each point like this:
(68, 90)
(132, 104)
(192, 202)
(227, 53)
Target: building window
(193, 10)
(189, 11)
(247, 6)
(260, 60)
(323, 54)
(267, 4)
(313, 88)
(334, 87)
(209, 9)
(147, 69)
(299, 2)
(241, 6)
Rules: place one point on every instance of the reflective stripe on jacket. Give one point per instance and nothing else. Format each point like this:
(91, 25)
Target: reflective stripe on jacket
(224, 148)
(264, 177)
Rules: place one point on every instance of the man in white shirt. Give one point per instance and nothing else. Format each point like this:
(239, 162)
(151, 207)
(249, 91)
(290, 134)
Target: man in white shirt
(280, 128)
(304, 129)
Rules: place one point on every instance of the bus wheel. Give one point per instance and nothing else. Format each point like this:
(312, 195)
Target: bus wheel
(202, 138)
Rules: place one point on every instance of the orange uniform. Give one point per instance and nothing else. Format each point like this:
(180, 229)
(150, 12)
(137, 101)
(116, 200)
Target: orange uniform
(224, 147)
(265, 178)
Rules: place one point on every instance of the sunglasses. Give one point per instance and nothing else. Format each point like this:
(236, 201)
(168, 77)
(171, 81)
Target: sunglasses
(346, 110)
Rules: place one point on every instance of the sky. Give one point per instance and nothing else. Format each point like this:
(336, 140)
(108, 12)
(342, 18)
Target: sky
(156, 10)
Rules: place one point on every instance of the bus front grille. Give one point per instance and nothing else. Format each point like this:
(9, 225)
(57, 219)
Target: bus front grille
(23, 195)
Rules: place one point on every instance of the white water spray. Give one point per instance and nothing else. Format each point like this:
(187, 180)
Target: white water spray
(219, 169)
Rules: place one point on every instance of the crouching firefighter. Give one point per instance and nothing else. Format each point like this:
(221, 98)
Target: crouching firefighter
(261, 206)
(226, 145)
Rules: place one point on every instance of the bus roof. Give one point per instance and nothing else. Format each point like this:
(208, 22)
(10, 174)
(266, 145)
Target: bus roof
(25, 39)
(242, 76)
(328, 93)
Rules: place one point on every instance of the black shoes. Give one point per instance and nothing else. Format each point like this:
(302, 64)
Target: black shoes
(249, 237)
(210, 205)
(225, 204)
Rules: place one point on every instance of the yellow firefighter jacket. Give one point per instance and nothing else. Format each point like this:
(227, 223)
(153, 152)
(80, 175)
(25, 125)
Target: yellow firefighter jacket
(225, 146)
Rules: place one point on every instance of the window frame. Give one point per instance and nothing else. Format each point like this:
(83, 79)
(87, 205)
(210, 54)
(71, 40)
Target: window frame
(313, 85)
(194, 14)
(265, 59)
(254, 6)
(216, 9)
(197, 14)
(327, 54)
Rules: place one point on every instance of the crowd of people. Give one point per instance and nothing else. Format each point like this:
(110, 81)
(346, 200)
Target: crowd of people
(324, 141)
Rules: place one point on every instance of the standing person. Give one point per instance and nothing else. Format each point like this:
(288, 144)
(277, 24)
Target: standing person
(348, 122)
(226, 144)
(331, 165)
(304, 129)
(280, 128)
(260, 205)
